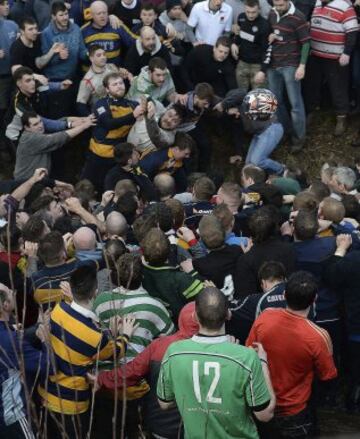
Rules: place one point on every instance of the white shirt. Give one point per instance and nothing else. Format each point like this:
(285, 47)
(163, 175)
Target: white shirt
(210, 26)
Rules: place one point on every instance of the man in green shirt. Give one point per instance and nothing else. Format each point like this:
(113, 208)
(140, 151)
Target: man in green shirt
(216, 384)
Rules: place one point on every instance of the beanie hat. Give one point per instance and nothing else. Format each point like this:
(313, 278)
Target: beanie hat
(172, 3)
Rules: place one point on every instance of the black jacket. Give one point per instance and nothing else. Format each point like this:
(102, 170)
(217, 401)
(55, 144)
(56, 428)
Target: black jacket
(200, 66)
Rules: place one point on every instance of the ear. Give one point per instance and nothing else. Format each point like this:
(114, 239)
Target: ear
(229, 315)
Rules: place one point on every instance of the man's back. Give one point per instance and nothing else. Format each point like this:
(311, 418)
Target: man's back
(215, 383)
(297, 349)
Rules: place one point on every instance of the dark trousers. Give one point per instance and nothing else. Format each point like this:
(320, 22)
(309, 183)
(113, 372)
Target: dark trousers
(67, 426)
(204, 147)
(319, 70)
(95, 170)
(353, 392)
(297, 426)
(18, 430)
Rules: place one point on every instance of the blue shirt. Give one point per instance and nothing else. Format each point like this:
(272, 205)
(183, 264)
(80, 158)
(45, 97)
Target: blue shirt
(57, 68)
(232, 239)
(8, 33)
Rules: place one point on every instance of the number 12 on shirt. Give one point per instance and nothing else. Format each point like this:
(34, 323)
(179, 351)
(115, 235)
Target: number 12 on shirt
(211, 368)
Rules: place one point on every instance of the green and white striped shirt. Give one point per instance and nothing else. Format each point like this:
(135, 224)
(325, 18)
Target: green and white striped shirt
(150, 313)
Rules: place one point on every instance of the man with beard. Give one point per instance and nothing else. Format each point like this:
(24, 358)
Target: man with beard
(156, 129)
(115, 116)
(146, 48)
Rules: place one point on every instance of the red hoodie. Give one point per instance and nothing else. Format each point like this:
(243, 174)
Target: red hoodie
(140, 366)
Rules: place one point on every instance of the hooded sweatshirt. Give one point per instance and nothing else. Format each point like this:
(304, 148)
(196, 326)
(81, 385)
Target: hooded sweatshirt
(147, 364)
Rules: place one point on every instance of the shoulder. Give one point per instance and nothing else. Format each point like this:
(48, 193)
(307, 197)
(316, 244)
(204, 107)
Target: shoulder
(319, 335)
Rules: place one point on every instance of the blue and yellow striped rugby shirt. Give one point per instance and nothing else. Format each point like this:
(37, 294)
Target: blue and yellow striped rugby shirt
(77, 343)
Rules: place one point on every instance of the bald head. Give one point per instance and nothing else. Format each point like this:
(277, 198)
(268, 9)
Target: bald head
(211, 308)
(148, 38)
(116, 225)
(99, 13)
(84, 239)
(165, 184)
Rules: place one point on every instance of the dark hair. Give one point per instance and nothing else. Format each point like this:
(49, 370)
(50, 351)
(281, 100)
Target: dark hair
(305, 201)
(224, 215)
(157, 63)
(27, 115)
(10, 240)
(252, 3)
(58, 7)
(156, 247)
(179, 110)
(20, 72)
(162, 214)
(262, 225)
(177, 210)
(123, 152)
(42, 202)
(212, 232)
(184, 141)
(93, 48)
(204, 91)
(34, 229)
(51, 247)
(306, 225)
(272, 270)
(352, 206)
(67, 224)
(223, 41)
(129, 267)
(113, 250)
(211, 308)
(83, 282)
(127, 204)
(109, 77)
(148, 7)
(257, 174)
(319, 190)
(26, 20)
(204, 189)
(142, 225)
(300, 290)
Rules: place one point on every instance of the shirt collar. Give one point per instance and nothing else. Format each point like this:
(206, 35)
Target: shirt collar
(84, 311)
(210, 340)
(207, 8)
(291, 11)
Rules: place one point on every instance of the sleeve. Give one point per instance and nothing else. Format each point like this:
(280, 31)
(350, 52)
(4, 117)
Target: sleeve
(46, 44)
(256, 390)
(16, 57)
(189, 284)
(193, 19)
(303, 31)
(84, 93)
(165, 391)
(105, 118)
(127, 37)
(131, 63)
(53, 126)
(49, 142)
(107, 347)
(133, 371)
(229, 21)
(252, 337)
(83, 52)
(230, 78)
(323, 357)
(171, 86)
(350, 22)
(245, 279)
(151, 163)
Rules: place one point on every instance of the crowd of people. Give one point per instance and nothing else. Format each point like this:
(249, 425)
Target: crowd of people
(143, 293)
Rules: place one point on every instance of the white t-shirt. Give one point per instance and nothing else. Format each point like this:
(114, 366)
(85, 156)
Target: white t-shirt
(210, 26)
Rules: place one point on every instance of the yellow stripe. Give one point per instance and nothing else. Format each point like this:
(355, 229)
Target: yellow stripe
(119, 132)
(47, 295)
(324, 334)
(69, 355)
(64, 406)
(75, 327)
(70, 382)
(101, 36)
(106, 151)
(113, 54)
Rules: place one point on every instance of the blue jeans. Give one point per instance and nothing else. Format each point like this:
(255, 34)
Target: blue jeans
(279, 79)
(262, 145)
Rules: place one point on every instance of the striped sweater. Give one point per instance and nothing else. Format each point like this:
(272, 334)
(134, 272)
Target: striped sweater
(77, 343)
(151, 315)
(330, 22)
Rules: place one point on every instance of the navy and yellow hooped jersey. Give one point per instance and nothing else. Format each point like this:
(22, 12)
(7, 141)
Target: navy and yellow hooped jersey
(111, 40)
(114, 121)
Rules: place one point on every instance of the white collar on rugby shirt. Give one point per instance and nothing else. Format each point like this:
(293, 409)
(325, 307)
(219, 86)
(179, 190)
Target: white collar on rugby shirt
(84, 311)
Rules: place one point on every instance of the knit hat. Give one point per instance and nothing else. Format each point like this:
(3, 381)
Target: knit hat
(172, 3)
